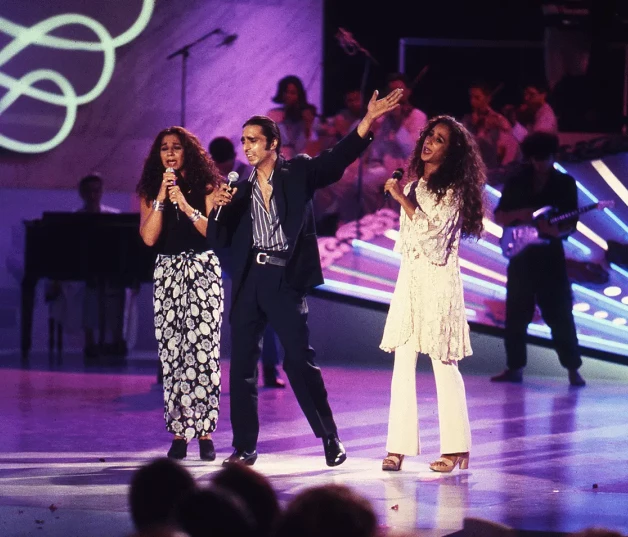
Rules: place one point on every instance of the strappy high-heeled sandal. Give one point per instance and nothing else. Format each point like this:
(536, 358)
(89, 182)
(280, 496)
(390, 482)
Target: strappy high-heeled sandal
(392, 462)
(445, 464)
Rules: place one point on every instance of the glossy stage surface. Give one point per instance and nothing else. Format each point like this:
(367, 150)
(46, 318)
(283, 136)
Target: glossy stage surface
(546, 457)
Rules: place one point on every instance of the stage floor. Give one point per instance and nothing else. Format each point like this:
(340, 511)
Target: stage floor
(545, 456)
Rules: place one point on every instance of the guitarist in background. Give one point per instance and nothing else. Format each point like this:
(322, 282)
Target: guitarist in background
(538, 275)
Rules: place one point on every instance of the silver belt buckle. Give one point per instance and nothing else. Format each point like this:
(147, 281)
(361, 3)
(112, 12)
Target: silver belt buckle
(261, 258)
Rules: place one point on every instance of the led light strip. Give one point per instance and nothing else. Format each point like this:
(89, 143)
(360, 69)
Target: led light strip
(492, 228)
(492, 247)
(386, 297)
(591, 235)
(591, 320)
(362, 275)
(394, 257)
(385, 252)
(356, 290)
(544, 331)
(380, 251)
(594, 199)
(620, 270)
(39, 35)
(482, 270)
(361, 291)
(611, 180)
(600, 297)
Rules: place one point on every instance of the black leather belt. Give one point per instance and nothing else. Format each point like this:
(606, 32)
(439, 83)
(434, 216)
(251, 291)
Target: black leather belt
(262, 258)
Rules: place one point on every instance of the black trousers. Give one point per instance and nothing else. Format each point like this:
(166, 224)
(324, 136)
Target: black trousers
(265, 298)
(539, 276)
(270, 354)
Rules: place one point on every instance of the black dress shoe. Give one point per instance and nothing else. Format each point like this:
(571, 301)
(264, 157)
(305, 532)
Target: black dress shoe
(239, 456)
(206, 449)
(178, 449)
(335, 453)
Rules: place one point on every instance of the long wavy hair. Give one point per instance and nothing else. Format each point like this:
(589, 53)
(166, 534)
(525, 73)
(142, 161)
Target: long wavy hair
(462, 170)
(201, 174)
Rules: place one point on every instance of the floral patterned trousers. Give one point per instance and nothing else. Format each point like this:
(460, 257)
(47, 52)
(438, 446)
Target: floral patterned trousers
(188, 303)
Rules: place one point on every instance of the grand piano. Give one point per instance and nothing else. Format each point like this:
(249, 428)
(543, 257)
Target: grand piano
(94, 248)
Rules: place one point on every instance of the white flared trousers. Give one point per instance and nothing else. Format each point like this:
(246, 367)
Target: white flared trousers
(403, 422)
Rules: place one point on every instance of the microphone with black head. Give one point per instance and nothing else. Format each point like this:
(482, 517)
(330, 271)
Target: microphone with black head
(232, 177)
(397, 174)
(174, 203)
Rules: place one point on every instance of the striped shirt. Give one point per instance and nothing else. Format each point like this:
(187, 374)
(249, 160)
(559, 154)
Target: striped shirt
(267, 232)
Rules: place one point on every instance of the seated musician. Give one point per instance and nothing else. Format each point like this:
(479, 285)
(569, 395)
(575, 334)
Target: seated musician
(538, 274)
(92, 306)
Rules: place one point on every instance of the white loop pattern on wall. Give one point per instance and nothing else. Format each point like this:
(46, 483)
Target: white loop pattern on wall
(39, 35)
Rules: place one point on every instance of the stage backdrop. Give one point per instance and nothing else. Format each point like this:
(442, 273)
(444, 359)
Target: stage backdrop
(111, 56)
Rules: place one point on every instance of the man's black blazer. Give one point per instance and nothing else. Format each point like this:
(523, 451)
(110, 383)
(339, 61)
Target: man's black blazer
(294, 184)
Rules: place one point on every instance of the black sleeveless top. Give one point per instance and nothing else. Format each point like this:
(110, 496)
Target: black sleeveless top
(180, 235)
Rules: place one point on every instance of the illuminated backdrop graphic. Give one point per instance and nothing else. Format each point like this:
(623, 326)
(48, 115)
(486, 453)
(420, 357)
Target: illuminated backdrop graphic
(66, 97)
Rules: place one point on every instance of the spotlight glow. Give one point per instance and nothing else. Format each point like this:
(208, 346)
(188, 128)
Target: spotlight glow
(600, 314)
(591, 235)
(493, 191)
(481, 270)
(619, 321)
(612, 290)
(611, 180)
(392, 234)
(492, 228)
(581, 306)
(607, 211)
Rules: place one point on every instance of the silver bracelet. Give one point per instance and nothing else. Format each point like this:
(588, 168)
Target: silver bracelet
(195, 216)
(158, 205)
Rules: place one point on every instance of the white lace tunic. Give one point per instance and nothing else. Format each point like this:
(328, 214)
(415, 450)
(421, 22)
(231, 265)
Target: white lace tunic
(427, 308)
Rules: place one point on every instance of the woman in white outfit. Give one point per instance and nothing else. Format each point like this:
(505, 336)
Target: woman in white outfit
(441, 203)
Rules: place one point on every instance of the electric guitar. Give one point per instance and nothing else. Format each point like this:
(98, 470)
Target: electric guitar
(515, 239)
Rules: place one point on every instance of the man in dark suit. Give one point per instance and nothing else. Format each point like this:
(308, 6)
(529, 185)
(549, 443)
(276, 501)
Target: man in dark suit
(268, 222)
(223, 153)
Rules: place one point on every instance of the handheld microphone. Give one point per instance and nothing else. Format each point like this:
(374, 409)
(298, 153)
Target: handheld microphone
(232, 177)
(174, 203)
(397, 174)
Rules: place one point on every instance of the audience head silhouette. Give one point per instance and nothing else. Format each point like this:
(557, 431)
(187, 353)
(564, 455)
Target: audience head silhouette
(155, 491)
(328, 511)
(255, 491)
(215, 512)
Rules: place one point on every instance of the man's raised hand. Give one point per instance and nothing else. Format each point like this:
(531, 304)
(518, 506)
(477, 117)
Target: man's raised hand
(377, 108)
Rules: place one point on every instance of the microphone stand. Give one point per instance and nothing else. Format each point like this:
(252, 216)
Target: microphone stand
(358, 225)
(351, 47)
(184, 52)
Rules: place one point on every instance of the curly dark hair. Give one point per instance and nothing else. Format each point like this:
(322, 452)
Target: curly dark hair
(201, 174)
(462, 170)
